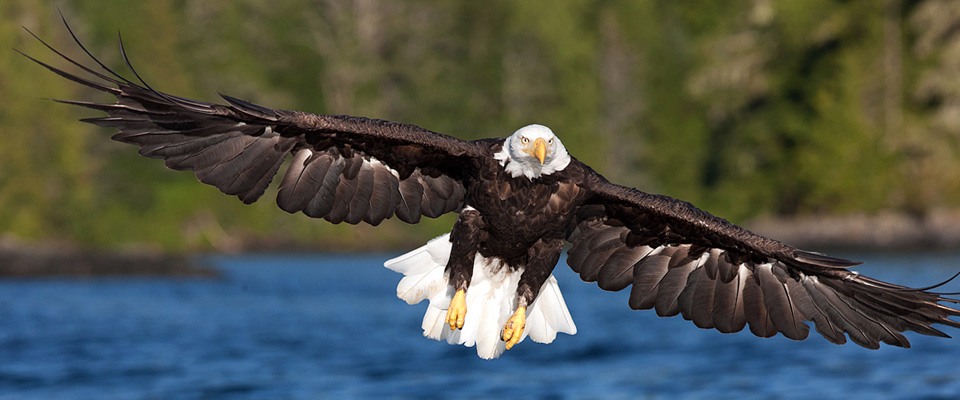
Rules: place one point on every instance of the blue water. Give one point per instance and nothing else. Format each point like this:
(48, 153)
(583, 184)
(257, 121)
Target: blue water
(321, 326)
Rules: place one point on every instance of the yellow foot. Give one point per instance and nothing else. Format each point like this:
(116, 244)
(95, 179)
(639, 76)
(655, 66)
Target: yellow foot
(457, 310)
(513, 329)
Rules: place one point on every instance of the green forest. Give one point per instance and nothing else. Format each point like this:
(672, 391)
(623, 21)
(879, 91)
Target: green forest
(745, 108)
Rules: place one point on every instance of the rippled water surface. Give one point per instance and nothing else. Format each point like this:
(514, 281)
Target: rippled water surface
(321, 326)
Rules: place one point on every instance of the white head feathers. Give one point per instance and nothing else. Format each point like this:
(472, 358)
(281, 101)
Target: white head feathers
(533, 151)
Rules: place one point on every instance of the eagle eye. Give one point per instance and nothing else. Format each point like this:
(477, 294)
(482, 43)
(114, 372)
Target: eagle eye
(524, 140)
(550, 142)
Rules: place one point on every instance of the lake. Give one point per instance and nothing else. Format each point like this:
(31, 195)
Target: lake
(330, 326)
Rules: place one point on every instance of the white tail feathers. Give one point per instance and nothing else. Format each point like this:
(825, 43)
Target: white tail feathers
(491, 300)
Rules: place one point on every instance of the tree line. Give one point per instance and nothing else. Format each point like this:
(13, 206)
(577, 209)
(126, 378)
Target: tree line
(745, 108)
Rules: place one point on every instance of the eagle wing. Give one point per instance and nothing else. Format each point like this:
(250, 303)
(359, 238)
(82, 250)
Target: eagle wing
(682, 260)
(344, 169)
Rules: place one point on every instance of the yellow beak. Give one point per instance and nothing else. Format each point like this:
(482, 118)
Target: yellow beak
(540, 149)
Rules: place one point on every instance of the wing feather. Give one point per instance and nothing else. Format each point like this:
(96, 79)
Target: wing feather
(617, 271)
(672, 284)
(728, 316)
(723, 277)
(322, 202)
(411, 192)
(701, 307)
(360, 203)
(384, 196)
(685, 301)
(300, 182)
(779, 304)
(344, 193)
(377, 166)
(599, 248)
(754, 308)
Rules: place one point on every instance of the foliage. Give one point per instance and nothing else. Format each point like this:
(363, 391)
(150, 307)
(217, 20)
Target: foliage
(745, 108)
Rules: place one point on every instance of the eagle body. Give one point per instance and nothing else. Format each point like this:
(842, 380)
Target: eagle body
(516, 213)
(520, 200)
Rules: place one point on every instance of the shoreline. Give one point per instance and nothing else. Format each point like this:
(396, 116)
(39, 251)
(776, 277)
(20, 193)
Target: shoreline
(21, 260)
(884, 231)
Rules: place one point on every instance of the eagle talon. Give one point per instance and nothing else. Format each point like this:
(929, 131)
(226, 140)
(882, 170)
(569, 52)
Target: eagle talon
(457, 310)
(513, 329)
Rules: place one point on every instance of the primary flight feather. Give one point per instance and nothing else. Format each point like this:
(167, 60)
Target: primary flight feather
(489, 282)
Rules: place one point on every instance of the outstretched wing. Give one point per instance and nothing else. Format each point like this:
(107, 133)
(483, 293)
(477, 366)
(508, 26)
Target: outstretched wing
(682, 260)
(344, 169)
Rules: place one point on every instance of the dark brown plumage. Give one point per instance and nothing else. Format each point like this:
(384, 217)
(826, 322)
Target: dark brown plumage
(675, 258)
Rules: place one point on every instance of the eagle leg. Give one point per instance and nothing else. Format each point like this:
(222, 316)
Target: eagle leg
(542, 257)
(464, 240)
(513, 329)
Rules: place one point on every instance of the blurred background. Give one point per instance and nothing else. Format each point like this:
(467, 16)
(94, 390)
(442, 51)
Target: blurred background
(755, 110)
(826, 123)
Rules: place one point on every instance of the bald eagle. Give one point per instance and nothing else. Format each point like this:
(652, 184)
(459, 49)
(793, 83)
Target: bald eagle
(520, 199)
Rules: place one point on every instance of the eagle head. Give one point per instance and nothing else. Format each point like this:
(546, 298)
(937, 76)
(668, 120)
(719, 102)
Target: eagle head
(532, 151)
